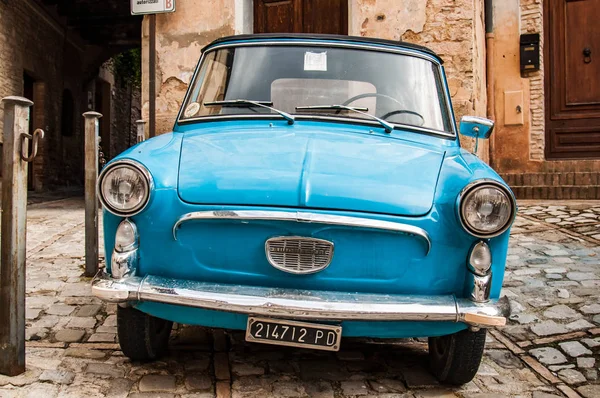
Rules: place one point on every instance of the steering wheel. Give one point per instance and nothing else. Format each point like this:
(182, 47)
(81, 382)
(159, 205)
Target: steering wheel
(387, 115)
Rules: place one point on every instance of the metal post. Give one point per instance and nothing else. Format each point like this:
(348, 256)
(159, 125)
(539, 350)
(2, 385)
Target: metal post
(14, 223)
(152, 77)
(91, 201)
(141, 134)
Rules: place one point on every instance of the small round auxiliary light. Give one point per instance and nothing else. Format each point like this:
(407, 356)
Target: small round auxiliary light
(126, 237)
(480, 259)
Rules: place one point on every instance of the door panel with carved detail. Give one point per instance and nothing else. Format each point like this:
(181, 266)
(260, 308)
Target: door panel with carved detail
(572, 79)
(301, 16)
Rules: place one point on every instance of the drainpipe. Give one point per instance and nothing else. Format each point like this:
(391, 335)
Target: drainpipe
(489, 67)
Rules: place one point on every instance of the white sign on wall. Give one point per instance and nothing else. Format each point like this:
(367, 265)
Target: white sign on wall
(139, 7)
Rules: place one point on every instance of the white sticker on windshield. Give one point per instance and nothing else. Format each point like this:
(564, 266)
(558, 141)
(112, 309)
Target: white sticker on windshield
(315, 61)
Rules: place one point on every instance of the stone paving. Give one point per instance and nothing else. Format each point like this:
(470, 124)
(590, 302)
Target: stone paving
(550, 348)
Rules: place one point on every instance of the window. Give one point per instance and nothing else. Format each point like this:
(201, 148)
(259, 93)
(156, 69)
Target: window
(399, 88)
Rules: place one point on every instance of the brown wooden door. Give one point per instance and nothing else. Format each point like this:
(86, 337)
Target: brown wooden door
(301, 16)
(572, 79)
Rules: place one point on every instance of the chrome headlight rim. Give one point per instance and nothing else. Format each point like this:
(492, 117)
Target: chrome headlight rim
(136, 166)
(486, 183)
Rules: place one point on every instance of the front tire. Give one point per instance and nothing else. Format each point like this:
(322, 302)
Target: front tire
(455, 358)
(142, 337)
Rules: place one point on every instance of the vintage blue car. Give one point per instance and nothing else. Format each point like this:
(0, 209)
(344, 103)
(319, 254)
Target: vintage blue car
(313, 188)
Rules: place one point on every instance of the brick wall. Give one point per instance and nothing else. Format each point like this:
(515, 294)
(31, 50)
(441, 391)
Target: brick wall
(561, 185)
(126, 110)
(32, 42)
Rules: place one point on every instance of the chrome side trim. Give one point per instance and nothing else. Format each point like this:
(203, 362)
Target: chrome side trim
(297, 304)
(304, 217)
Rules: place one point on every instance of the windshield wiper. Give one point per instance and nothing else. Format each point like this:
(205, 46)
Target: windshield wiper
(263, 104)
(386, 125)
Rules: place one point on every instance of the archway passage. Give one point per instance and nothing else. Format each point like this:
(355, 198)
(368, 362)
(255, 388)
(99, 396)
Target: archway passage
(63, 47)
(301, 16)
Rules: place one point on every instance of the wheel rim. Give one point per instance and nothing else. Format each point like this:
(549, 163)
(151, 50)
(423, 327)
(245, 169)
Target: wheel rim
(440, 346)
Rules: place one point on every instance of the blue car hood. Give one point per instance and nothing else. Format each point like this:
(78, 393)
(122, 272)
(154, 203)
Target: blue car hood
(312, 169)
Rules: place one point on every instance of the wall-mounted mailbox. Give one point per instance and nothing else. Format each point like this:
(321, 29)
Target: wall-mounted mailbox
(530, 52)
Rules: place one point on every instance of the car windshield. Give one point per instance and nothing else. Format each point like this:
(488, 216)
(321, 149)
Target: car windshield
(319, 81)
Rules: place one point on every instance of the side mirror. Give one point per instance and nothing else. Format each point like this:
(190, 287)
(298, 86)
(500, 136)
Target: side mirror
(476, 127)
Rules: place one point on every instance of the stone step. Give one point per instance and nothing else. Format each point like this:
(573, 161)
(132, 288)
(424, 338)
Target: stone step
(552, 179)
(557, 185)
(581, 192)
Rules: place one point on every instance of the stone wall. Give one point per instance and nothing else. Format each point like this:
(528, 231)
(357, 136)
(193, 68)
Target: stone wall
(532, 21)
(446, 27)
(454, 29)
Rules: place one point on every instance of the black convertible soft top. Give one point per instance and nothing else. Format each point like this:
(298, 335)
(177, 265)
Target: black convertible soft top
(324, 37)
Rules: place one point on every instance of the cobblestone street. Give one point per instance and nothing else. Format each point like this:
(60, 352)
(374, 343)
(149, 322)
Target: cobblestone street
(551, 346)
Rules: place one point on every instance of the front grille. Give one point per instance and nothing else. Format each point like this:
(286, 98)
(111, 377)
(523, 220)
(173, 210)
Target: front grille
(299, 255)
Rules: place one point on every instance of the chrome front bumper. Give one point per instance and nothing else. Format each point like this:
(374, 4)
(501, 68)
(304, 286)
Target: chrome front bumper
(298, 304)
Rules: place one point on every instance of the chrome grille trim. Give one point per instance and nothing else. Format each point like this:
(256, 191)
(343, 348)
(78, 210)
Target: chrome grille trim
(305, 217)
(299, 254)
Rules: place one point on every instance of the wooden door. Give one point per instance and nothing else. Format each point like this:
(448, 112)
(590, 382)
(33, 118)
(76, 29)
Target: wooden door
(301, 16)
(572, 78)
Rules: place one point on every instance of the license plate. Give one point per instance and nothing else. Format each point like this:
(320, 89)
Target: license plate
(295, 334)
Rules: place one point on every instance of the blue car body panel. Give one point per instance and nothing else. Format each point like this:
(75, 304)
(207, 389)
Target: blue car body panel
(307, 165)
(324, 167)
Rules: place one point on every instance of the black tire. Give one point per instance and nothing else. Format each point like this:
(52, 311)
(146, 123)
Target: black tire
(142, 337)
(455, 359)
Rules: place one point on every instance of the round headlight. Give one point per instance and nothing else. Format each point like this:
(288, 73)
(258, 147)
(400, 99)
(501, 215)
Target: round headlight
(124, 187)
(486, 209)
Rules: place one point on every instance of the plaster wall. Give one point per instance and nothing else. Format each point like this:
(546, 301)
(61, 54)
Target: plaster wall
(180, 37)
(519, 149)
